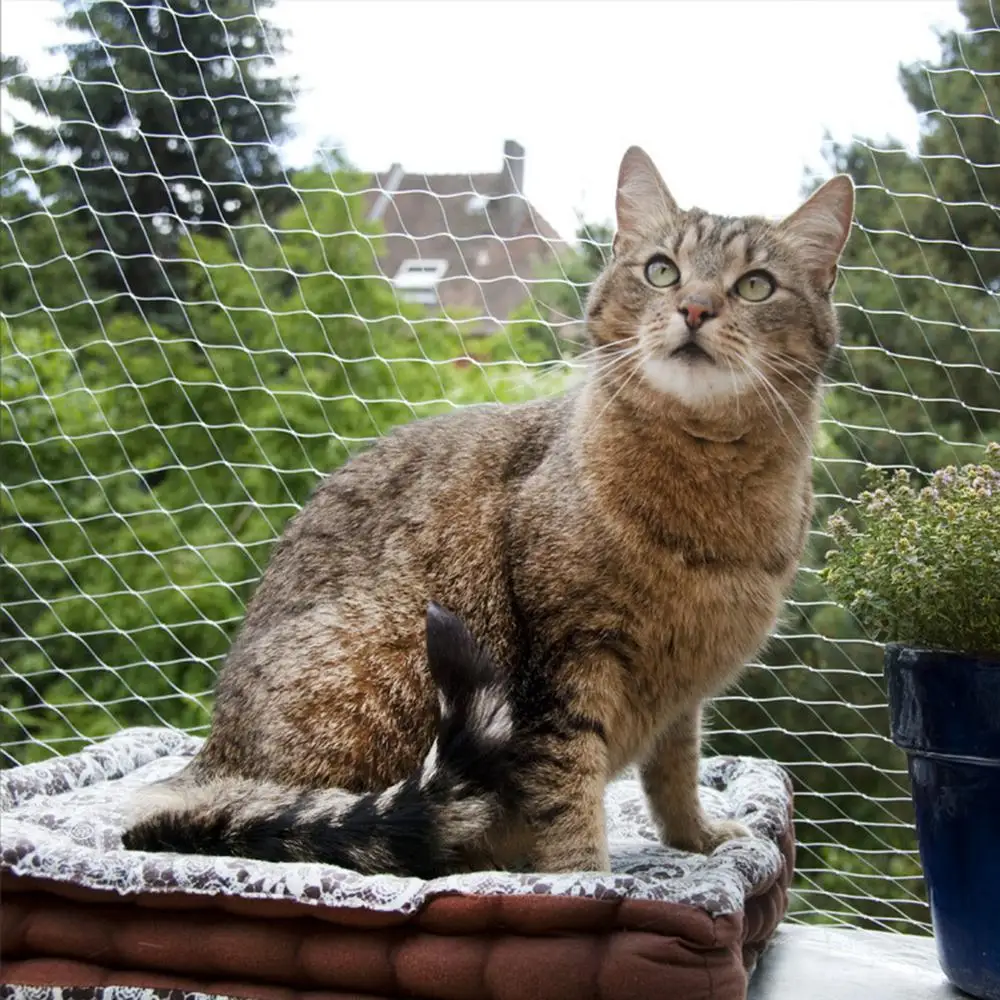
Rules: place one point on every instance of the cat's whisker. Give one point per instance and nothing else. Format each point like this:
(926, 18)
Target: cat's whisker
(732, 375)
(607, 354)
(756, 381)
(635, 371)
(779, 398)
(524, 376)
(613, 369)
(621, 355)
(759, 381)
(613, 349)
(788, 373)
(608, 366)
(772, 407)
(784, 377)
(807, 395)
(781, 401)
(610, 347)
(798, 366)
(534, 376)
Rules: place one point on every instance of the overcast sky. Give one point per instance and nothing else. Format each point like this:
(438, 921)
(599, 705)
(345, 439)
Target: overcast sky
(732, 99)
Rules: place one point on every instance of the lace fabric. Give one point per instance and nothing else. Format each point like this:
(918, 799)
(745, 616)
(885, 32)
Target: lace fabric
(63, 820)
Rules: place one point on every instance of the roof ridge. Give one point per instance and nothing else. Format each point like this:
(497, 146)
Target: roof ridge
(451, 173)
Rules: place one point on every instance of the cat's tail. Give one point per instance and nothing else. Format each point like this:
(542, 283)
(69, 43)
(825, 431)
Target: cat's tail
(416, 827)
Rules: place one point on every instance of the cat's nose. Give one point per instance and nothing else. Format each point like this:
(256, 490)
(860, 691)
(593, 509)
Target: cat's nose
(695, 311)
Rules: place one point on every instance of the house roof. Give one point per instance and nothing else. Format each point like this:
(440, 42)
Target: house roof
(490, 236)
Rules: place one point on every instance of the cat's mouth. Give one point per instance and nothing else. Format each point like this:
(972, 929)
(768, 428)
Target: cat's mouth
(691, 350)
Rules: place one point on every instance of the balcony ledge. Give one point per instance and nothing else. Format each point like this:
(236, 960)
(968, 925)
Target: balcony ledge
(827, 963)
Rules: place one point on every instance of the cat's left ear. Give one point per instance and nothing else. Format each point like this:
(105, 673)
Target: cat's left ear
(819, 228)
(643, 199)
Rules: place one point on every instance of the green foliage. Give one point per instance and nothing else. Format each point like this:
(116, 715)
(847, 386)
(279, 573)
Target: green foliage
(923, 567)
(172, 116)
(148, 472)
(149, 466)
(549, 323)
(918, 383)
(45, 257)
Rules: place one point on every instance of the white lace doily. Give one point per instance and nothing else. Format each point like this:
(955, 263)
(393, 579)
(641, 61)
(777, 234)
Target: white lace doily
(62, 820)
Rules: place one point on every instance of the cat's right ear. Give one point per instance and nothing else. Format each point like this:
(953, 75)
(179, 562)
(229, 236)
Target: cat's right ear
(643, 198)
(819, 228)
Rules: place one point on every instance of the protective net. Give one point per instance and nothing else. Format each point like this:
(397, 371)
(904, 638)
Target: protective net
(193, 334)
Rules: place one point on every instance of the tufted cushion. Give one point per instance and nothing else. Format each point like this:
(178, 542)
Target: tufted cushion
(79, 911)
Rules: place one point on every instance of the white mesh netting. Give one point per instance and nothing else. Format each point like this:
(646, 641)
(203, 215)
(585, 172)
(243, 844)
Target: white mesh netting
(193, 334)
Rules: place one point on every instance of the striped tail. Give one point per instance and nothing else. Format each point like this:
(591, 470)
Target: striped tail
(417, 827)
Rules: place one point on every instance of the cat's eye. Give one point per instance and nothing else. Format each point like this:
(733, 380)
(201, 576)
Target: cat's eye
(755, 286)
(661, 271)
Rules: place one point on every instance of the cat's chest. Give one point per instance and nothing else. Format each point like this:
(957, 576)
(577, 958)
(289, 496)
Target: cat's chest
(702, 612)
(697, 628)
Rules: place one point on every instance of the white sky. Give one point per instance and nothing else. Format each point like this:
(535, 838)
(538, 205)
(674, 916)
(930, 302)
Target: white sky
(730, 97)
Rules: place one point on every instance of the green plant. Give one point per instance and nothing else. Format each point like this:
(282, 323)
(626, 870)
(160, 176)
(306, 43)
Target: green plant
(923, 566)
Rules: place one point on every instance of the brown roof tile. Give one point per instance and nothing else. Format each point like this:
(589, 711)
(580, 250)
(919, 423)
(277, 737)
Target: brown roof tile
(492, 250)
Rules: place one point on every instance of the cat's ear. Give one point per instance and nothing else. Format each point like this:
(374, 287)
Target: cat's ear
(819, 228)
(642, 198)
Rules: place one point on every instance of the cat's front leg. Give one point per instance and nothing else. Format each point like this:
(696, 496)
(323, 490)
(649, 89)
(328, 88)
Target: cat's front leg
(670, 779)
(563, 805)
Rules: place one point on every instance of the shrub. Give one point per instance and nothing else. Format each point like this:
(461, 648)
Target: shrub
(922, 565)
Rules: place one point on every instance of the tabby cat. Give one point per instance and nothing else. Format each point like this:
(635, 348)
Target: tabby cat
(602, 563)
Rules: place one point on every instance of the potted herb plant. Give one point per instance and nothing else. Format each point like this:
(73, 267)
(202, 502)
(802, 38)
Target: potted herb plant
(920, 569)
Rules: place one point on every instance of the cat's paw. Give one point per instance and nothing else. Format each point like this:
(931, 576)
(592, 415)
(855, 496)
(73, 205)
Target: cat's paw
(710, 835)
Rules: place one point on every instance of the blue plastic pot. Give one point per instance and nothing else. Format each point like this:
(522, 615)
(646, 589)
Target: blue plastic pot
(945, 713)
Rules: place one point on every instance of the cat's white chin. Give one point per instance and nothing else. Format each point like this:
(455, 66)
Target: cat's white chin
(693, 383)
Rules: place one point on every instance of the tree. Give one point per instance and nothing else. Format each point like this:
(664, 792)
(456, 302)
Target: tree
(959, 97)
(45, 259)
(925, 268)
(172, 114)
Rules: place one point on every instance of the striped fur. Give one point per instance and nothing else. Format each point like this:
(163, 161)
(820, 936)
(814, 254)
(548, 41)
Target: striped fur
(420, 826)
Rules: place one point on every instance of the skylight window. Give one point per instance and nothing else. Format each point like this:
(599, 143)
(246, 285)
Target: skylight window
(416, 280)
(476, 205)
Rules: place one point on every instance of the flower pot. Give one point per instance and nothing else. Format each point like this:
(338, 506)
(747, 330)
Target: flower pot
(945, 713)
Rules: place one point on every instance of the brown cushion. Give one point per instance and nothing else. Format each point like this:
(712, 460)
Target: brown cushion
(81, 912)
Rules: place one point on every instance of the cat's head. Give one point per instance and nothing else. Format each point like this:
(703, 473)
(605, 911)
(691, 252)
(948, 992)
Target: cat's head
(708, 308)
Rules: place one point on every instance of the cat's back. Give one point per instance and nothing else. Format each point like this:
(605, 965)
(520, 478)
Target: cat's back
(439, 460)
(430, 488)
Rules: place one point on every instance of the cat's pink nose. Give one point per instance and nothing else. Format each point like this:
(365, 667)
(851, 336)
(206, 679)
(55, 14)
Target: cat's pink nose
(696, 311)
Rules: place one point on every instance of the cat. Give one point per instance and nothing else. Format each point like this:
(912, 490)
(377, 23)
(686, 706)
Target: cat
(610, 558)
